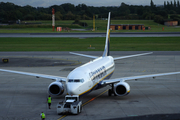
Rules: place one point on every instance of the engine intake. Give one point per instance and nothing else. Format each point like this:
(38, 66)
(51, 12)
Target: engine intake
(121, 88)
(56, 88)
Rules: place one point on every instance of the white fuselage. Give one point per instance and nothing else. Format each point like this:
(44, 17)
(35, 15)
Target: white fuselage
(88, 77)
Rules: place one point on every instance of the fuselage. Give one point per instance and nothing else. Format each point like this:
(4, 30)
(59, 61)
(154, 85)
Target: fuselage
(88, 77)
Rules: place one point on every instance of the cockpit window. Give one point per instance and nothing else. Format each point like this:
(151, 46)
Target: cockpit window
(70, 80)
(82, 80)
(76, 80)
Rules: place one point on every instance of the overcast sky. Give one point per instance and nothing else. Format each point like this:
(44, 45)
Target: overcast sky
(47, 3)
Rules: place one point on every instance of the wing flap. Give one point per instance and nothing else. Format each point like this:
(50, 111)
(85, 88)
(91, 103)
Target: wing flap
(36, 75)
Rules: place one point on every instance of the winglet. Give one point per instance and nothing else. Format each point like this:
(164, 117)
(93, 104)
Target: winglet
(106, 49)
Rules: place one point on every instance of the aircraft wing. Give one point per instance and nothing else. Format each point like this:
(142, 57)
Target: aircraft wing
(37, 75)
(89, 56)
(116, 80)
(117, 58)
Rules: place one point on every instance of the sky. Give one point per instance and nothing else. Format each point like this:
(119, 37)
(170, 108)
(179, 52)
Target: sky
(47, 3)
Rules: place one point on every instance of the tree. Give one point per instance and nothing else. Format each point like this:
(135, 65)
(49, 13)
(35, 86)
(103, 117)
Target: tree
(140, 10)
(158, 19)
(68, 11)
(152, 4)
(28, 17)
(18, 14)
(81, 7)
(174, 3)
(57, 9)
(168, 5)
(69, 16)
(174, 16)
(124, 9)
(163, 13)
(68, 7)
(164, 4)
(171, 4)
(148, 16)
(85, 17)
(172, 12)
(44, 16)
(58, 15)
(178, 5)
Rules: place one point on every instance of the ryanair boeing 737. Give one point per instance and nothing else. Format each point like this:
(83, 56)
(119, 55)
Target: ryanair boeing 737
(92, 75)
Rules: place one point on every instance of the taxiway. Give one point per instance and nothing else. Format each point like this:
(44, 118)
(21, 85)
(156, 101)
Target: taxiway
(88, 35)
(25, 97)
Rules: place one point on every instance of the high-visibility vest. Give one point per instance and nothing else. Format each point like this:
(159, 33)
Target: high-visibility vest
(49, 99)
(43, 115)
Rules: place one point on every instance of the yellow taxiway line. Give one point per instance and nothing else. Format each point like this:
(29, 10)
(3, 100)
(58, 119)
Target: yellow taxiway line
(86, 102)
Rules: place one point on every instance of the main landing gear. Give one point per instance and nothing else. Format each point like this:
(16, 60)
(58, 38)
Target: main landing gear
(111, 91)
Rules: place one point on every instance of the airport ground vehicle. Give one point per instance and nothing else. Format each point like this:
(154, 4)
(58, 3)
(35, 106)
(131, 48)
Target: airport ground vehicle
(71, 104)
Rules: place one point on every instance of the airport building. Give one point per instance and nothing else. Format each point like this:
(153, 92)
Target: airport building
(126, 26)
(171, 23)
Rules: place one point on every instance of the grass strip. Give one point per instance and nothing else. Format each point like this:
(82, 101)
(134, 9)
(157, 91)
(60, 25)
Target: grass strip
(100, 25)
(77, 44)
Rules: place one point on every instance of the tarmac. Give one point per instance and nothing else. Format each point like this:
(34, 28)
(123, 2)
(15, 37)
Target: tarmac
(90, 34)
(25, 97)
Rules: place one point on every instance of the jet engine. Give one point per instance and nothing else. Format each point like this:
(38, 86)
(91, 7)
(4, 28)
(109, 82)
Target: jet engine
(121, 88)
(56, 88)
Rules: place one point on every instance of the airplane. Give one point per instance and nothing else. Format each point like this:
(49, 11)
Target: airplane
(93, 75)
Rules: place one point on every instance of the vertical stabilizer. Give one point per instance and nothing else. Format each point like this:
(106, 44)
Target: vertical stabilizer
(106, 49)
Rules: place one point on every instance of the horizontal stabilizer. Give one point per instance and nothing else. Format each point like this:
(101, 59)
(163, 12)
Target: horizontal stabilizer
(117, 58)
(89, 56)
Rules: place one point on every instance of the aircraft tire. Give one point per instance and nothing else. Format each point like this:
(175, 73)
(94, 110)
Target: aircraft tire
(109, 92)
(78, 110)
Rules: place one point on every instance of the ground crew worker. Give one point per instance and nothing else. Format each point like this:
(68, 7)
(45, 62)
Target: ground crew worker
(42, 116)
(49, 101)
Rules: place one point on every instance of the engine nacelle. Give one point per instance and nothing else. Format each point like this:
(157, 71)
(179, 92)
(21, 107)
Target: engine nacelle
(56, 88)
(121, 88)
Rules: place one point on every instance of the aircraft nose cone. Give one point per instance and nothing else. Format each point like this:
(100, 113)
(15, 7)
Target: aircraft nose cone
(72, 90)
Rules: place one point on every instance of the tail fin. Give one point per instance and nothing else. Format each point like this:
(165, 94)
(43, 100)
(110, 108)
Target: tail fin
(106, 49)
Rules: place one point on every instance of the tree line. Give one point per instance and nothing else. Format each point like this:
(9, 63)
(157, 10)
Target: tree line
(68, 11)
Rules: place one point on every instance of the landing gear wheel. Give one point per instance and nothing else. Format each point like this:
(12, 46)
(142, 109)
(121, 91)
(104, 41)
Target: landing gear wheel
(78, 110)
(109, 92)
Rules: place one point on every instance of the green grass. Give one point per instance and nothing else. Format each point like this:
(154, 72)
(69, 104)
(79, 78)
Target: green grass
(76, 44)
(101, 25)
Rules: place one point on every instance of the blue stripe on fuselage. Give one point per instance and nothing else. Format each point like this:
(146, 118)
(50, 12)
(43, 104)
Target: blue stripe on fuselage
(97, 86)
